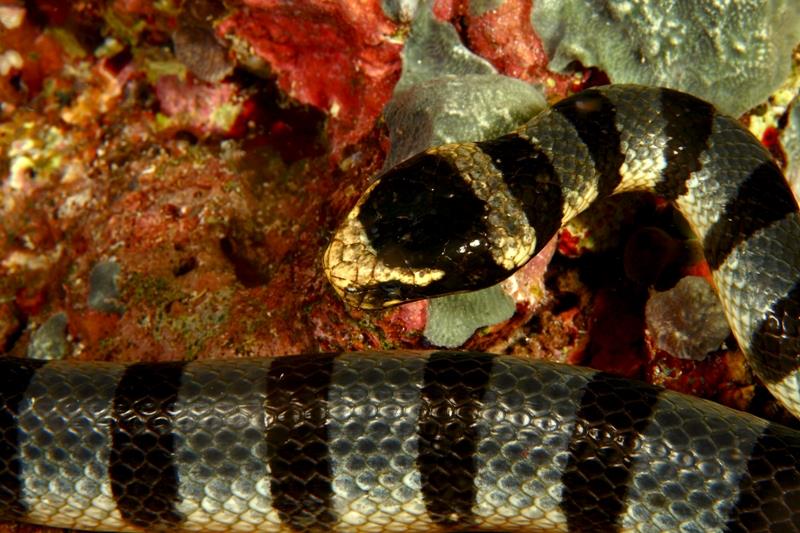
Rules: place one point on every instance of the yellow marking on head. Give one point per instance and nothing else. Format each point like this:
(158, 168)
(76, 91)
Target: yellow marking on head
(351, 264)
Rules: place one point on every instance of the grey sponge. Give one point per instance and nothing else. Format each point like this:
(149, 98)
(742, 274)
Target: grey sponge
(731, 53)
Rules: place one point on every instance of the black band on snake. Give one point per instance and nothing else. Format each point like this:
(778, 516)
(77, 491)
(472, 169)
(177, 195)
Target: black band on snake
(451, 441)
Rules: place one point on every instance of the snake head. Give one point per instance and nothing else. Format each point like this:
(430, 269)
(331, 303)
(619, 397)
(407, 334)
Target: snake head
(429, 226)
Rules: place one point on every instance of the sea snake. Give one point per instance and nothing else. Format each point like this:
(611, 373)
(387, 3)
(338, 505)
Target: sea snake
(449, 441)
(465, 216)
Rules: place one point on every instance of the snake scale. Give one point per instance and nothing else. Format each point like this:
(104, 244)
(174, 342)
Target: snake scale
(451, 441)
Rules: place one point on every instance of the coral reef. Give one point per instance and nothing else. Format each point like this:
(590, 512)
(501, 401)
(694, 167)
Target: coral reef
(171, 172)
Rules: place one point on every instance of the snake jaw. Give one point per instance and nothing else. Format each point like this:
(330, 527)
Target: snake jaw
(344, 259)
(359, 276)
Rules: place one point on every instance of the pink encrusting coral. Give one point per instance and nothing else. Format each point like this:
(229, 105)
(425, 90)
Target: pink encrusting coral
(340, 57)
(505, 37)
(203, 108)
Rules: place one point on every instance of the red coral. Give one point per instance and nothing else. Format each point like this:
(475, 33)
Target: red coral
(42, 56)
(721, 376)
(196, 105)
(92, 326)
(134, 7)
(506, 38)
(569, 244)
(336, 56)
(617, 332)
(30, 301)
(448, 9)
(771, 139)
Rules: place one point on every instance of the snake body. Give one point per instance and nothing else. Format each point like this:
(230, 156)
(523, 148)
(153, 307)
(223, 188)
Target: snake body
(466, 216)
(381, 442)
(451, 441)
